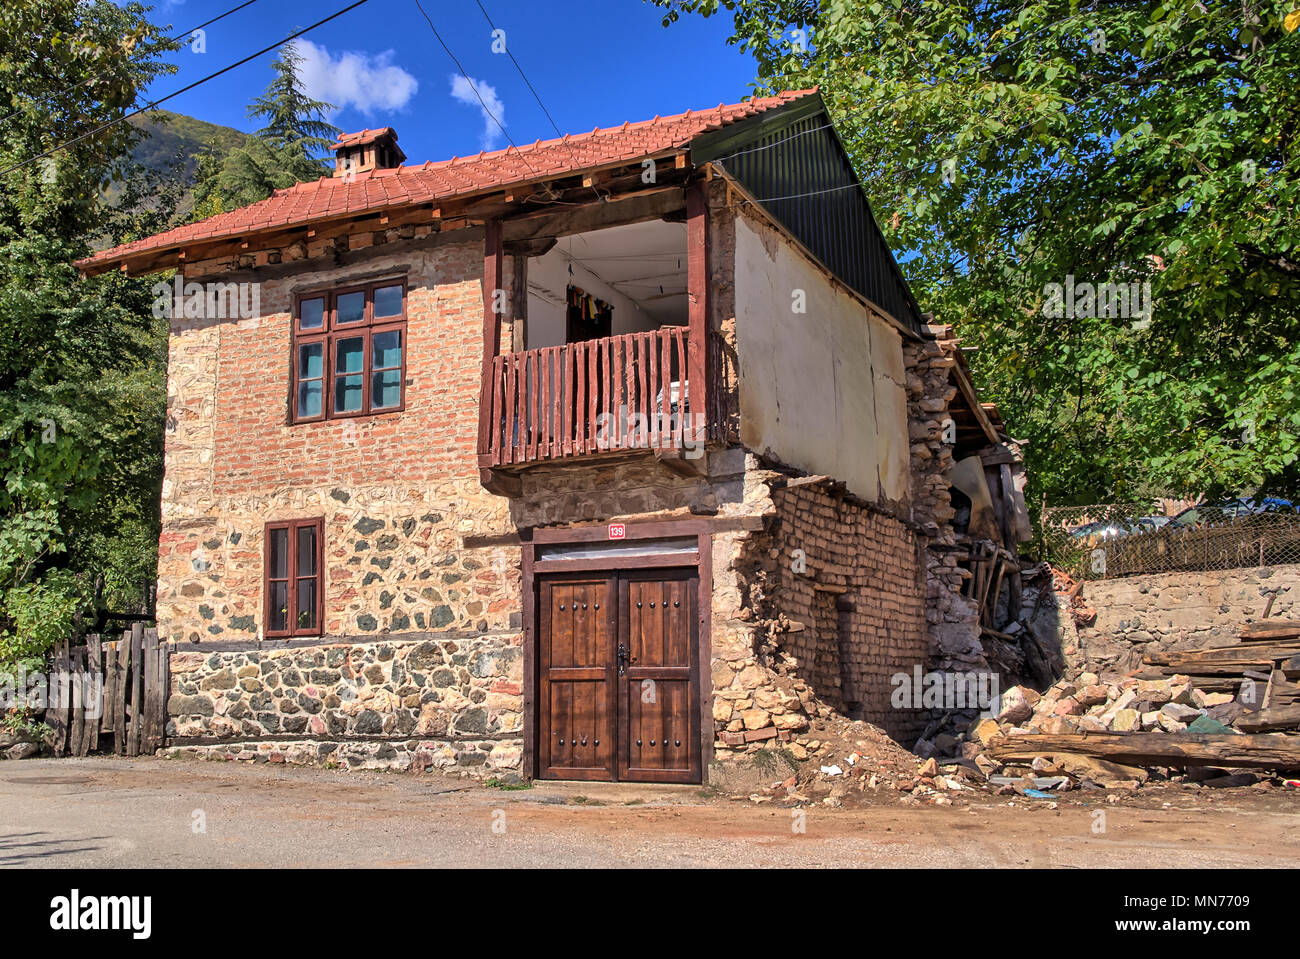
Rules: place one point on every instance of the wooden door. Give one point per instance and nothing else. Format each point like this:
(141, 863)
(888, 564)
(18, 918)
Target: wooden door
(659, 738)
(619, 695)
(575, 707)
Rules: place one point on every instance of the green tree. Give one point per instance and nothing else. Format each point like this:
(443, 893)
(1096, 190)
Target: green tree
(82, 372)
(287, 149)
(1007, 146)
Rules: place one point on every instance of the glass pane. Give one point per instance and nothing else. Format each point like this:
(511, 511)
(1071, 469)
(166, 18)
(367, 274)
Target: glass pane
(386, 350)
(385, 389)
(388, 301)
(306, 613)
(277, 554)
(311, 314)
(348, 392)
(278, 614)
(309, 398)
(349, 355)
(306, 550)
(311, 361)
(350, 307)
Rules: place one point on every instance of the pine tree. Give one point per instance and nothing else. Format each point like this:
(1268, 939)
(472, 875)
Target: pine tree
(287, 149)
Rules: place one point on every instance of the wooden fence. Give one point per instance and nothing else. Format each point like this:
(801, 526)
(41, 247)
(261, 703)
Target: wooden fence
(110, 690)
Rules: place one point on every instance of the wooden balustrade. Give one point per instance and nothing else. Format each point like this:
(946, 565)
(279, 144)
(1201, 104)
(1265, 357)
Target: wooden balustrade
(615, 393)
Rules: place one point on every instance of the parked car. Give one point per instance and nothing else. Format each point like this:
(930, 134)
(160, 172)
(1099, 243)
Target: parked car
(1230, 510)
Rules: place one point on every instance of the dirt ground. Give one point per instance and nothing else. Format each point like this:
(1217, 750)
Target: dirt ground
(170, 813)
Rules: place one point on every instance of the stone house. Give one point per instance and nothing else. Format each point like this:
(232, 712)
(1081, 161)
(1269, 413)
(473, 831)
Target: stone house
(606, 457)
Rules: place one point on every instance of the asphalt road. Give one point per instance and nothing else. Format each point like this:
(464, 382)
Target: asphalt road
(109, 812)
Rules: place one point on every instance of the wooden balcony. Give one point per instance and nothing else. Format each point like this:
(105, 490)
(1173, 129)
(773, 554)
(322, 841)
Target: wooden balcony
(618, 393)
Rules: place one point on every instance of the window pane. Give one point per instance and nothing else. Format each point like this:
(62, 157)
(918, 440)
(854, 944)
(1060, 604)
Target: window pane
(277, 554)
(311, 361)
(349, 355)
(386, 350)
(309, 398)
(385, 389)
(311, 314)
(350, 307)
(348, 391)
(278, 614)
(306, 550)
(388, 301)
(305, 617)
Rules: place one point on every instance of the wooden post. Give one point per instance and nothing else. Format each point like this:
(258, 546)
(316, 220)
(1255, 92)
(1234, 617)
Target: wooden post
(493, 258)
(95, 706)
(57, 712)
(137, 690)
(76, 699)
(697, 286)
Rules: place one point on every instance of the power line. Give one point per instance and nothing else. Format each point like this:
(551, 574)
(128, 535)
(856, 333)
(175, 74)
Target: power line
(537, 97)
(154, 103)
(474, 88)
(85, 80)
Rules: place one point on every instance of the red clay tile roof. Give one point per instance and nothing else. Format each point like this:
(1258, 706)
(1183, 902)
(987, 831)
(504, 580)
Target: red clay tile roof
(460, 176)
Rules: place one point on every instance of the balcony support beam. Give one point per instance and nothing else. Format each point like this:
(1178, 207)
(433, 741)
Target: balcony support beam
(697, 288)
(493, 266)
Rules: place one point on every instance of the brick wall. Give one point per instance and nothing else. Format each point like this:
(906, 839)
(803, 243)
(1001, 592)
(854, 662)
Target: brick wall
(855, 616)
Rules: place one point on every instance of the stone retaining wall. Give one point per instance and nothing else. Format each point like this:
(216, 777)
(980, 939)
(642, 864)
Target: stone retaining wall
(428, 702)
(1178, 611)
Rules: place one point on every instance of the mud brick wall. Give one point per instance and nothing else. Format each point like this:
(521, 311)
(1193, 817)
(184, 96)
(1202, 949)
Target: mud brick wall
(447, 703)
(1178, 611)
(856, 615)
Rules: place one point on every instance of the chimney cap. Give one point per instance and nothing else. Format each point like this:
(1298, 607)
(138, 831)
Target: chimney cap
(363, 137)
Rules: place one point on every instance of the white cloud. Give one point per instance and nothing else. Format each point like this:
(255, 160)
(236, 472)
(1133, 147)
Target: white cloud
(369, 83)
(462, 90)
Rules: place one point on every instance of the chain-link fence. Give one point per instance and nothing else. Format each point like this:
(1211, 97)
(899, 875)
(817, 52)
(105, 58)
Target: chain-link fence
(1122, 539)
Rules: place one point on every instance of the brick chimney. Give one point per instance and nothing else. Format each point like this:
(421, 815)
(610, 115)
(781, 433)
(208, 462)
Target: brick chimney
(356, 153)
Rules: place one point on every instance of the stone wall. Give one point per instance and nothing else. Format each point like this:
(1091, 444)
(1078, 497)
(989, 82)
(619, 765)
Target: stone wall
(447, 703)
(1178, 611)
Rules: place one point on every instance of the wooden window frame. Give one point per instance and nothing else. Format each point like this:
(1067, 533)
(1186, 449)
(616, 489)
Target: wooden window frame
(291, 526)
(331, 332)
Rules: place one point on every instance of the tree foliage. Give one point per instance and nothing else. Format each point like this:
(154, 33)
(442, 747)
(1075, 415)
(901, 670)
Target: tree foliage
(82, 390)
(1008, 145)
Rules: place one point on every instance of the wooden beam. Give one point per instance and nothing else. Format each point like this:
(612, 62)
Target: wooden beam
(1259, 751)
(697, 287)
(493, 259)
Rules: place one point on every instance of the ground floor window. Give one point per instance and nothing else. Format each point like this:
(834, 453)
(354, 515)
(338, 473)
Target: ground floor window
(293, 587)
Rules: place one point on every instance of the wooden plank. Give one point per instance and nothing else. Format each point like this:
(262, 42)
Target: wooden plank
(511, 406)
(121, 676)
(572, 369)
(95, 714)
(1223, 655)
(57, 712)
(137, 690)
(109, 652)
(149, 714)
(77, 712)
(1260, 750)
(1270, 718)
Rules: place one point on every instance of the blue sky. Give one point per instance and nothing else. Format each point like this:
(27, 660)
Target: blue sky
(594, 63)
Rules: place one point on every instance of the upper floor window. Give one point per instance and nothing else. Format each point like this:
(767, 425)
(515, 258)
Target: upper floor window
(349, 351)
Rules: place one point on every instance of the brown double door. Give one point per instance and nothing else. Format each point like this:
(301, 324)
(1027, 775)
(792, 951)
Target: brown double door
(618, 690)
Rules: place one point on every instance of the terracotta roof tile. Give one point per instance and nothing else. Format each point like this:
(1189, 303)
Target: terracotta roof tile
(447, 179)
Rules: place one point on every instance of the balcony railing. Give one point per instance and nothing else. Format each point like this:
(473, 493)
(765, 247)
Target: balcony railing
(616, 393)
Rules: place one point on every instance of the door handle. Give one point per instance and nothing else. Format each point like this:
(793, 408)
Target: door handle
(622, 658)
